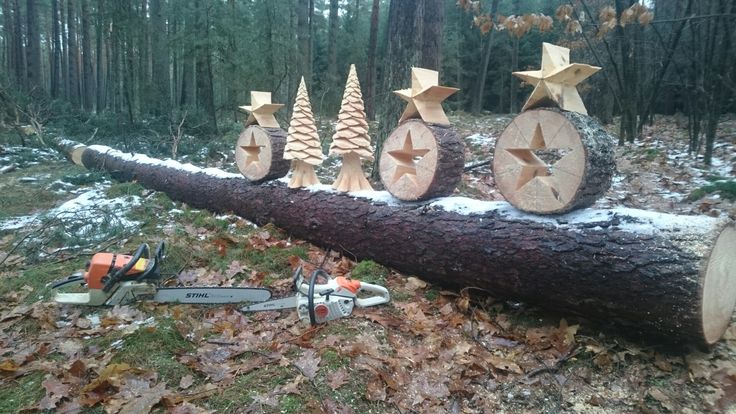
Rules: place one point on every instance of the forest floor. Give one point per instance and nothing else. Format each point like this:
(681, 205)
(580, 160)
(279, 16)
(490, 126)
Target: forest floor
(429, 350)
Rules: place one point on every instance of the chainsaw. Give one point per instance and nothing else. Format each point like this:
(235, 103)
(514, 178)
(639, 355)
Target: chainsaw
(113, 279)
(323, 298)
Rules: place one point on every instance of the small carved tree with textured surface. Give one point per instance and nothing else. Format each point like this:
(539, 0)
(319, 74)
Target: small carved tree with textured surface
(351, 139)
(302, 143)
(259, 152)
(424, 157)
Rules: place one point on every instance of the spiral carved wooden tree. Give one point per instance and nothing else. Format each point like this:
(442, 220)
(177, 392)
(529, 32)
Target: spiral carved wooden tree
(351, 139)
(302, 144)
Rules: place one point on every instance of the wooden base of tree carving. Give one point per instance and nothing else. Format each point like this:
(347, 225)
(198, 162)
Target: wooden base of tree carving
(302, 175)
(420, 161)
(656, 274)
(259, 153)
(549, 161)
(351, 176)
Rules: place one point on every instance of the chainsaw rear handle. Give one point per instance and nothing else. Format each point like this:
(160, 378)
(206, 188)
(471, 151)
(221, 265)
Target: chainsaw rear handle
(381, 295)
(142, 251)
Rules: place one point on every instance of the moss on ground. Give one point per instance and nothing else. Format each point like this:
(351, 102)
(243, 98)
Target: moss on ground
(21, 392)
(727, 190)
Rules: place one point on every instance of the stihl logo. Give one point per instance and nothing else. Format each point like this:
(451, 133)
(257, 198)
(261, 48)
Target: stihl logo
(198, 295)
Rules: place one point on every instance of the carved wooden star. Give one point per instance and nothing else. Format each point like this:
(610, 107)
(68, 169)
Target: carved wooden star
(406, 159)
(261, 110)
(556, 80)
(536, 160)
(425, 97)
(253, 151)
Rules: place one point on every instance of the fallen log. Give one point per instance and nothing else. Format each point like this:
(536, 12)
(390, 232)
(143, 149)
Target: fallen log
(657, 274)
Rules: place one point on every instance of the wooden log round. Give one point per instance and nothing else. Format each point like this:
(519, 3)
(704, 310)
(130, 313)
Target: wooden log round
(661, 275)
(420, 161)
(259, 153)
(549, 161)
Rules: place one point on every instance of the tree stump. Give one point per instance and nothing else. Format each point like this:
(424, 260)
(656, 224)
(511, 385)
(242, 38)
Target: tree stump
(259, 153)
(549, 161)
(420, 161)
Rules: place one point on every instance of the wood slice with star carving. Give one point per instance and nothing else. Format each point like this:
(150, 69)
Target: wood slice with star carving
(421, 161)
(259, 153)
(549, 161)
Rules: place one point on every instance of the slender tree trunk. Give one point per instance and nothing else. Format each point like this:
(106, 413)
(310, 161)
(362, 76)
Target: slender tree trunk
(33, 49)
(74, 95)
(370, 81)
(9, 39)
(628, 94)
(432, 24)
(64, 80)
(480, 87)
(143, 72)
(20, 73)
(55, 50)
(723, 59)
(332, 78)
(205, 90)
(101, 64)
(87, 73)
(160, 55)
(304, 39)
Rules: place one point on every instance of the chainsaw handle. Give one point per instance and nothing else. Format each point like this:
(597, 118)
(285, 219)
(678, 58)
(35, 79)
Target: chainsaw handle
(142, 252)
(381, 295)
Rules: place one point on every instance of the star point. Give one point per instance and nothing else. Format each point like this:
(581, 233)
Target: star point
(536, 160)
(252, 151)
(556, 81)
(261, 110)
(424, 98)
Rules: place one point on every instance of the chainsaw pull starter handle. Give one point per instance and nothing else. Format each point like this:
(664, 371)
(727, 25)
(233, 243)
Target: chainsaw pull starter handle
(381, 295)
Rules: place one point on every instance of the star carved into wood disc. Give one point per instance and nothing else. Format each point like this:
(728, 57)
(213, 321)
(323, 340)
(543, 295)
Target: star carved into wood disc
(537, 160)
(252, 151)
(406, 159)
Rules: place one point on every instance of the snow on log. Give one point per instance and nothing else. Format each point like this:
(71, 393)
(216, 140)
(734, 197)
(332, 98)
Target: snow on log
(673, 276)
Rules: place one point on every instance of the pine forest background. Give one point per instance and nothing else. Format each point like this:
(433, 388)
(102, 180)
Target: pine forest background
(147, 72)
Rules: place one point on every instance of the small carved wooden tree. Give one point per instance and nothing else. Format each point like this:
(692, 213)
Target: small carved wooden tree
(302, 143)
(259, 152)
(351, 139)
(422, 158)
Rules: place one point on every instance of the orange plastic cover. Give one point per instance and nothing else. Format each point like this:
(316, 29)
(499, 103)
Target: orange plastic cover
(102, 264)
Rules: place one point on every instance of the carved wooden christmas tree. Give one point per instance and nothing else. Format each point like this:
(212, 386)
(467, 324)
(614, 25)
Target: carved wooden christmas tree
(550, 160)
(554, 84)
(259, 152)
(302, 144)
(351, 139)
(422, 158)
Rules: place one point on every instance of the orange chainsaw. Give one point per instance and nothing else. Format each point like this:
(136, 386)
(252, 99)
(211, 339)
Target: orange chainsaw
(113, 279)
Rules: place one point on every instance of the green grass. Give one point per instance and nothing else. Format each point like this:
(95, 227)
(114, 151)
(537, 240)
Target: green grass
(274, 260)
(21, 392)
(727, 190)
(21, 198)
(258, 382)
(155, 348)
(124, 189)
(370, 272)
(38, 276)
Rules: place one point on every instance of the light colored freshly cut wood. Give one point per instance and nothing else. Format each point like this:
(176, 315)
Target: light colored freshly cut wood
(259, 153)
(261, 110)
(547, 161)
(302, 143)
(76, 154)
(419, 161)
(555, 83)
(718, 295)
(351, 138)
(425, 97)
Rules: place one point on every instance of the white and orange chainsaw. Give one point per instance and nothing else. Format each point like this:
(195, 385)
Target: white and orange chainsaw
(113, 279)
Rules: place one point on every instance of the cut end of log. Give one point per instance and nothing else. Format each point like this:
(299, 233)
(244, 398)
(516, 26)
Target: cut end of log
(76, 154)
(719, 286)
(259, 153)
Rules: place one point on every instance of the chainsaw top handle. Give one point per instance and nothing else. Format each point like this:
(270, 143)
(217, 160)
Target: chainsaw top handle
(142, 252)
(152, 270)
(310, 294)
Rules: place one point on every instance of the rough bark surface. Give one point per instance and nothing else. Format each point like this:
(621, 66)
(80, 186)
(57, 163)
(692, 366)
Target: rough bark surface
(626, 266)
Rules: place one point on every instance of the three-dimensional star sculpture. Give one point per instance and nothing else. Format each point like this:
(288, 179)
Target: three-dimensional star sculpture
(556, 80)
(261, 110)
(406, 159)
(252, 151)
(425, 97)
(532, 165)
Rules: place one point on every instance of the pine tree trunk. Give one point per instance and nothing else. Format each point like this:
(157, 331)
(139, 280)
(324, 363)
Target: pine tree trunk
(205, 91)
(34, 72)
(370, 81)
(102, 65)
(304, 39)
(55, 50)
(74, 95)
(432, 25)
(332, 42)
(160, 70)
(483, 69)
(87, 73)
(657, 274)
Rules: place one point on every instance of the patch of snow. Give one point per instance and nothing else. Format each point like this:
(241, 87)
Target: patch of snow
(169, 163)
(480, 139)
(465, 205)
(377, 197)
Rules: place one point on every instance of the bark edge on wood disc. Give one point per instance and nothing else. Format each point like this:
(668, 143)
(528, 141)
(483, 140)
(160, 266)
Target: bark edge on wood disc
(259, 153)
(420, 161)
(549, 161)
(718, 286)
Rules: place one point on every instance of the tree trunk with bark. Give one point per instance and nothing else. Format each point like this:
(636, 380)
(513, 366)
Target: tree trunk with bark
(433, 22)
(370, 79)
(477, 104)
(74, 95)
(33, 50)
(55, 64)
(160, 55)
(88, 80)
(657, 274)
